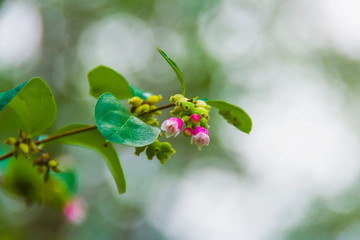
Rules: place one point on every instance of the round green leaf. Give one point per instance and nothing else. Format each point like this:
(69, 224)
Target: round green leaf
(104, 79)
(118, 125)
(233, 114)
(33, 103)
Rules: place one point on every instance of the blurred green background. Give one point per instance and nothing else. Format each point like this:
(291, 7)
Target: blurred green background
(292, 65)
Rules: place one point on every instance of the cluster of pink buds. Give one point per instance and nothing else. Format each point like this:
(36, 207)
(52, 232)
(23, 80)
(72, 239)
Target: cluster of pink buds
(194, 114)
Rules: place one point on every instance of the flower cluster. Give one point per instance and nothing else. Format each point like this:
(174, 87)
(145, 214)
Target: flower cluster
(22, 145)
(144, 109)
(192, 113)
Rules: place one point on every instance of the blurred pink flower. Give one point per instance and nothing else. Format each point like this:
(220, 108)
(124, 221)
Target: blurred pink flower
(75, 210)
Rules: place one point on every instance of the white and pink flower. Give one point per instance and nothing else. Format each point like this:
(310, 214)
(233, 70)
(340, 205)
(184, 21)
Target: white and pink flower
(172, 126)
(200, 137)
(75, 210)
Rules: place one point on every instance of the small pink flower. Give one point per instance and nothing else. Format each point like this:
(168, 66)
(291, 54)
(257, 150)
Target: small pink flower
(200, 137)
(172, 126)
(194, 119)
(75, 210)
(188, 132)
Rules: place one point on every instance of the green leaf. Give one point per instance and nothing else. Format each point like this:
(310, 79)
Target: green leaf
(94, 140)
(175, 68)
(233, 114)
(140, 93)
(104, 79)
(118, 125)
(33, 103)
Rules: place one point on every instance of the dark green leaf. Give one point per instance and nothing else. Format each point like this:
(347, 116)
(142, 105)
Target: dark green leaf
(118, 125)
(104, 79)
(140, 93)
(94, 140)
(175, 68)
(33, 103)
(233, 114)
(6, 97)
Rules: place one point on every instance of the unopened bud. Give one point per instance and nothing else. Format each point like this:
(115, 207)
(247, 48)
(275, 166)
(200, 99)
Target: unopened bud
(10, 141)
(188, 132)
(145, 108)
(176, 111)
(135, 101)
(188, 107)
(201, 103)
(194, 119)
(154, 99)
(202, 112)
(176, 98)
(204, 123)
(52, 163)
(24, 148)
(139, 150)
(166, 147)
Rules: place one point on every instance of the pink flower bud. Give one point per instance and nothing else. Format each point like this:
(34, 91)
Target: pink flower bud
(75, 210)
(200, 137)
(172, 126)
(188, 132)
(194, 119)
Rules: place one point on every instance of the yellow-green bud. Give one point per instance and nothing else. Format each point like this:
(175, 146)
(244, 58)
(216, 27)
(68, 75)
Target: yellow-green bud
(176, 111)
(181, 101)
(203, 123)
(145, 108)
(188, 107)
(163, 156)
(202, 112)
(166, 147)
(154, 99)
(135, 101)
(52, 163)
(185, 119)
(24, 148)
(176, 97)
(201, 103)
(10, 141)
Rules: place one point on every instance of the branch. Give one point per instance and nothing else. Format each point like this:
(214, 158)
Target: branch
(75, 131)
